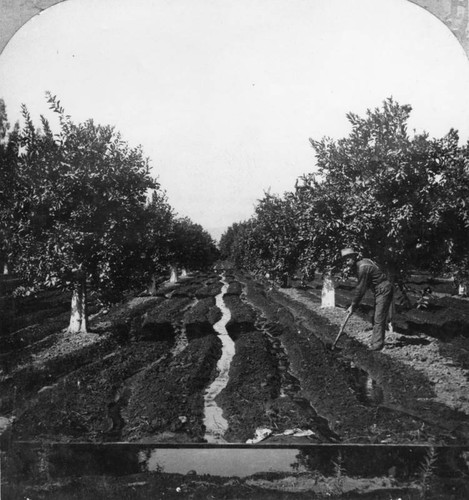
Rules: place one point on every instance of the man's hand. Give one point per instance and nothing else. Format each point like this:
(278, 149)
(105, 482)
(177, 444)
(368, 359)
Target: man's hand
(351, 309)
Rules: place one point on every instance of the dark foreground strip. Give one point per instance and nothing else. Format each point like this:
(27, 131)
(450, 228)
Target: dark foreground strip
(33, 461)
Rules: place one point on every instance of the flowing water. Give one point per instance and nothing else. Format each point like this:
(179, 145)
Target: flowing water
(214, 422)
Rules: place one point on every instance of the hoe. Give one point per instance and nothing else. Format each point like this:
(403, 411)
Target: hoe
(341, 331)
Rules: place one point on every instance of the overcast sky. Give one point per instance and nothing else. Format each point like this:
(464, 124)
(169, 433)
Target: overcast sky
(224, 94)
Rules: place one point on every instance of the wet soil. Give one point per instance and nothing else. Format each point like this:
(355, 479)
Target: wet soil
(140, 375)
(161, 485)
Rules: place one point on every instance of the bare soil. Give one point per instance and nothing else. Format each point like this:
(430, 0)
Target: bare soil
(140, 375)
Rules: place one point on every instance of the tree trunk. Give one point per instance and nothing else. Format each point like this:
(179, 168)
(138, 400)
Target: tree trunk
(78, 316)
(183, 273)
(328, 292)
(174, 274)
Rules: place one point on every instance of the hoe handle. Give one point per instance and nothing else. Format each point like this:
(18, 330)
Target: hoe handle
(342, 329)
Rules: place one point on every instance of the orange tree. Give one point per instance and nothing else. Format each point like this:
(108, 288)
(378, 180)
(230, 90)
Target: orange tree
(8, 178)
(448, 229)
(399, 199)
(156, 229)
(275, 243)
(374, 190)
(235, 245)
(268, 242)
(73, 215)
(190, 246)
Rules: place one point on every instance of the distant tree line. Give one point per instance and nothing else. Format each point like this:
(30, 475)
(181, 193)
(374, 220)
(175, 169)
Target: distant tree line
(79, 210)
(401, 199)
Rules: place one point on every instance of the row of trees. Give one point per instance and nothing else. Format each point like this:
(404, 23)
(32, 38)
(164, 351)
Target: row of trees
(399, 198)
(79, 209)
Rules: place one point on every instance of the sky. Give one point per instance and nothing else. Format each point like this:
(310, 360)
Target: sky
(223, 95)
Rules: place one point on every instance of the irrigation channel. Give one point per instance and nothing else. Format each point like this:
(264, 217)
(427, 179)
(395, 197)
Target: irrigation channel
(215, 424)
(228, 375)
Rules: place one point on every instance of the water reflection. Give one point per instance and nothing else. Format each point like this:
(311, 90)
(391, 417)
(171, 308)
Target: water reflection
(373, 391)
(221, 462)
(367, 390)
(34, 461)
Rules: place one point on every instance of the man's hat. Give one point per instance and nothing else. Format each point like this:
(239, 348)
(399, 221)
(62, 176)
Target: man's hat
(346, 252)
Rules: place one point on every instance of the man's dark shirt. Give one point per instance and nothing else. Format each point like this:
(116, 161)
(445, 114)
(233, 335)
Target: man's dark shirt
(369, 276)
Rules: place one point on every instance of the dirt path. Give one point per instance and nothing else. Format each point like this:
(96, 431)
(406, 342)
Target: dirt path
(420, 352)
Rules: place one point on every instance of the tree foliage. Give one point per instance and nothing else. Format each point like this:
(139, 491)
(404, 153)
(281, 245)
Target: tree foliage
(397, 198)
(78, 197)
(8, 177)
(75, 210)
(190, 246)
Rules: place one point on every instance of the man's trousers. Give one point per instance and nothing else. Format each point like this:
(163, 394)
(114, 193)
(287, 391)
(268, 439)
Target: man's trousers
(383, 303)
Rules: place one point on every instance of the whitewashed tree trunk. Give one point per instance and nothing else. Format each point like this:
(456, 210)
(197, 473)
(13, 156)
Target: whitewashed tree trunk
(5, 268)
(183, 273)
(328, 292)
(78, 316)
(174, 275)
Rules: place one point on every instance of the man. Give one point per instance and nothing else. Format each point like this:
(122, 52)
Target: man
(370, 276)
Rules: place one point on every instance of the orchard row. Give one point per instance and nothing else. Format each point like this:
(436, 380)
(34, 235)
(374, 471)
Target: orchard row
(401, 199)
(79, 209)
